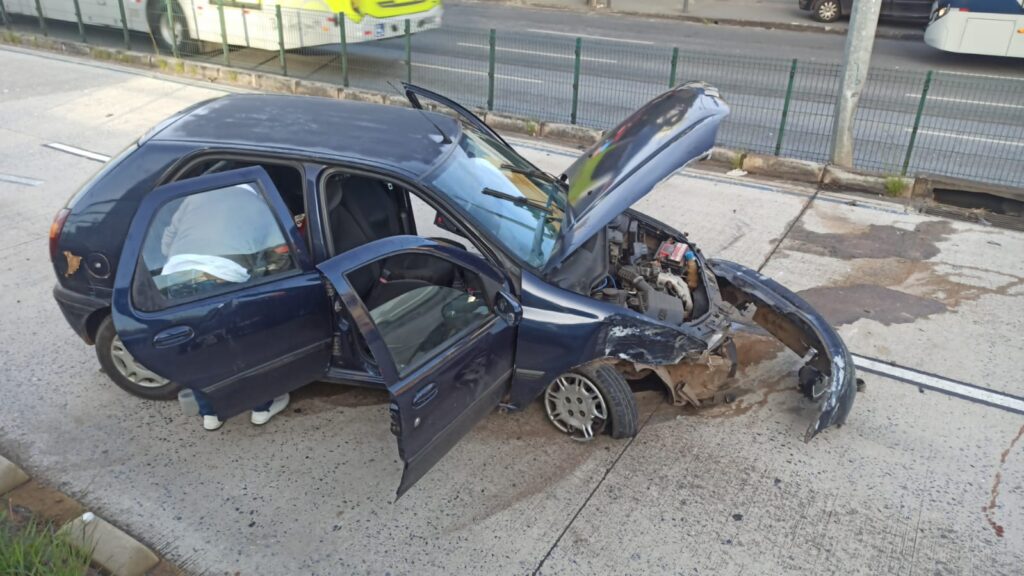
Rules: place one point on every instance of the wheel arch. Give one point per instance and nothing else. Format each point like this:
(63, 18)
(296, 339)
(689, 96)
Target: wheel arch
(93, 321)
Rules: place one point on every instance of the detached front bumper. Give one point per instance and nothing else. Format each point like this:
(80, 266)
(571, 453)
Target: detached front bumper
(802, 329)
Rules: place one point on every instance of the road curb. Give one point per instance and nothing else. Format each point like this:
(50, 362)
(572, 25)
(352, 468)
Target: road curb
(110, 548)
(11, 476)
(712, 21)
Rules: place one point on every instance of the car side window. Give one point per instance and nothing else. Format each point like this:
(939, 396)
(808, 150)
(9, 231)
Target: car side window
(421, 304)
(207, 243)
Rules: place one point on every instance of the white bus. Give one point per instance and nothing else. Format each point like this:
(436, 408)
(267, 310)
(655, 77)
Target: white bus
(990, 27)
(250, 23)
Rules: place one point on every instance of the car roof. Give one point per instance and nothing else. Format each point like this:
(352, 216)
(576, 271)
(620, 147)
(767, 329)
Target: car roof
(361, 132)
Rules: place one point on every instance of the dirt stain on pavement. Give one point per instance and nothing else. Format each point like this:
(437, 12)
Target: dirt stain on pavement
(990, 508)
(877, 241)
(847, 304)
(324, 396)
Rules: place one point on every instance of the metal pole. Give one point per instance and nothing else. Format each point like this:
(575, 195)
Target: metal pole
(170, 24)
(860, 38)
(245, 26)
(280, 40)
(408, 51)
(42, 21)
(223, 33)
(576, 81)
(344, 50)
(490, 71)
(124, 25)
(81, 25)
(917, 122)
(675, 64)
(785, 107)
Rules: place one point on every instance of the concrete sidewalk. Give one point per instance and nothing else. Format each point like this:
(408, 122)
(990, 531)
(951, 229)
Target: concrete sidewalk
(782, 14)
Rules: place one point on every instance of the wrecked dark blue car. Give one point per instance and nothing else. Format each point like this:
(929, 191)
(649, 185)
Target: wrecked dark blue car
(252, 244)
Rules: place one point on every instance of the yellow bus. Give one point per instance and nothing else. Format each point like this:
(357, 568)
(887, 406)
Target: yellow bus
(250, 23)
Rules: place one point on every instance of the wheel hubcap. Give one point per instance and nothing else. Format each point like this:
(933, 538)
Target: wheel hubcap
(828, 10)
(132, 370)
(165, 30)
(575, 406)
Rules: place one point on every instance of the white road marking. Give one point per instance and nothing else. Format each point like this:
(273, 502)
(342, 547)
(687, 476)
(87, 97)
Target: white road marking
(78, 152)
(966, 137)
(963, 101)
(940, 384)
(534, 52)
(945, 73)
(19, 180)
(556, 33)
(476, 73)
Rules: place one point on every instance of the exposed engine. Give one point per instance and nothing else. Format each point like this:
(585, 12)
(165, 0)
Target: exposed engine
(654, 275)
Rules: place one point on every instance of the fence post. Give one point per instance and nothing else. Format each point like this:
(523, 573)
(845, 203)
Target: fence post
(917, 122)
(280, 40)
(223, 33)
(408, 51)
(42, 21)
(490, 71)
(245, 26)
(344, 50)
(4, 16)
(785, 107)
(170, 24)
(81, 25)
(576, 81)
(124, 25)
(672, 71)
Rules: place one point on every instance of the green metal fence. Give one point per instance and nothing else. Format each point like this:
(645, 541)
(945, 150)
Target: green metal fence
(908, 122)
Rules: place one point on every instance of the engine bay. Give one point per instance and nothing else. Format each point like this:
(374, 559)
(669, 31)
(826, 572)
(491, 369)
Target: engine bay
(652, 273)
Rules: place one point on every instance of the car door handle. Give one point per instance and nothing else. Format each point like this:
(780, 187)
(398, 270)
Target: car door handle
(424, 395)
(173, 336)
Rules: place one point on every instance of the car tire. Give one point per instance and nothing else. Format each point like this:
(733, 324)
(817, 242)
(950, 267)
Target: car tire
(159, 25)
(128, 374)
(826, 10)
(590, 400)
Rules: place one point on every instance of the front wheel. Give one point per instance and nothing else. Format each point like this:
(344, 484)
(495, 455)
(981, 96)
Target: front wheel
(125, 371)
(826, 10)
(587, 401)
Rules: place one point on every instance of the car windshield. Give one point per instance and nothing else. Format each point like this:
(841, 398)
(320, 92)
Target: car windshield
(521, 207)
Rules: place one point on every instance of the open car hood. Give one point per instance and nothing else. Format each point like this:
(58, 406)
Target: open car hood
(653, 143)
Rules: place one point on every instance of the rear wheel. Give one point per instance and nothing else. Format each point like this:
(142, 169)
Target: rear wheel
(122, 368)
(589, 400)
(160, 25)
(826, 10)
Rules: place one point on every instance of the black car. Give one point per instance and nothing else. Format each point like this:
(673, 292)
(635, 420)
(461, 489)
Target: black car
(905, 10)
(252, 244)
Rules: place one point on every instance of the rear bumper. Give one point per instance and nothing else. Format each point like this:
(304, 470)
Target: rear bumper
(802, 329)
(77, 308)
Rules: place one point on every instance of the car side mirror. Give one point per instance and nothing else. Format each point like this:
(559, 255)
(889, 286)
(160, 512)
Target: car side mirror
(508, 309)
(442, 222)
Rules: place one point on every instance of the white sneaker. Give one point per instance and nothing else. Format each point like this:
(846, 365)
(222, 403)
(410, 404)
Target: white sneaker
(212, 422)
(262, 417)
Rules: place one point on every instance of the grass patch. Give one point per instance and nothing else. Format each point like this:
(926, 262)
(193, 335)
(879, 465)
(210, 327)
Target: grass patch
(30, 548)
(736, 162)
(894, 186)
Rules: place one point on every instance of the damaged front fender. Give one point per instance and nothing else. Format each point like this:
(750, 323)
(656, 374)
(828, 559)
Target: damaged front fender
(829, 374)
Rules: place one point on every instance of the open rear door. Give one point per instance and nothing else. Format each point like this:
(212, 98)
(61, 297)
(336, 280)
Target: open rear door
(215, 290)
(441, 326)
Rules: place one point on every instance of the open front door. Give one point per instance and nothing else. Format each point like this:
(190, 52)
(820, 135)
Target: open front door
(216, 291)
(441, 326)
(414, 93)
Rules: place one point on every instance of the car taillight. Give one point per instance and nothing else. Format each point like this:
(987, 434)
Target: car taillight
(55, 229)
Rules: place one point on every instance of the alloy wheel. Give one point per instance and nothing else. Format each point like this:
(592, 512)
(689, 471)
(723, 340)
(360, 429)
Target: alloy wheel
(828, 10)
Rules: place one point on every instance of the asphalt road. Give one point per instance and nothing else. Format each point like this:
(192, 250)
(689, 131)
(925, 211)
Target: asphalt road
(916, 482)
(972, 126)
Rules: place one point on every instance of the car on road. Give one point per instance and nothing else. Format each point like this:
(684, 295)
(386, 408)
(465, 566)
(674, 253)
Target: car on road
(252, 244)
(906, 10)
